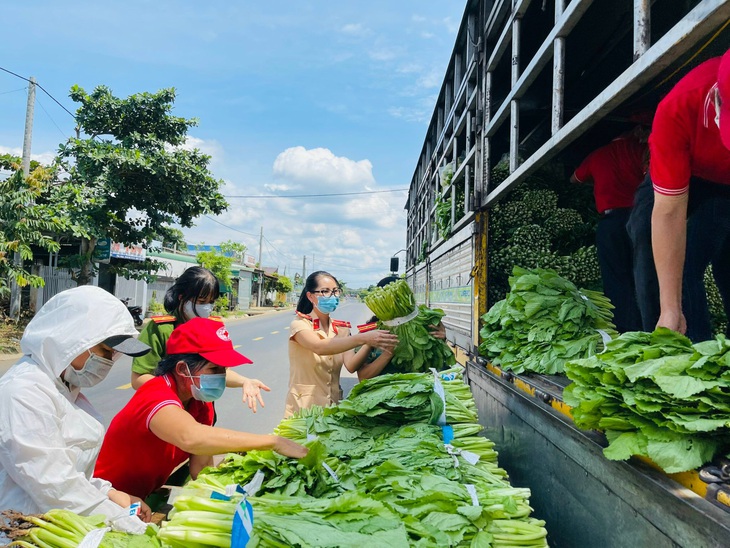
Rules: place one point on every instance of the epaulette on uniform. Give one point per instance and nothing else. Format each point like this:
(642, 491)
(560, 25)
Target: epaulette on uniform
(367, 327)
(163, 319)
(341, 323)
(303, 315)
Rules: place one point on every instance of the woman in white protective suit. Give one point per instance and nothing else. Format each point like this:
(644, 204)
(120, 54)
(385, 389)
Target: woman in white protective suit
(50, 435)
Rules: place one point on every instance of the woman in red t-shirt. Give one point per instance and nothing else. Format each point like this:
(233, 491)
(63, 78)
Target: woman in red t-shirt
(169, 419)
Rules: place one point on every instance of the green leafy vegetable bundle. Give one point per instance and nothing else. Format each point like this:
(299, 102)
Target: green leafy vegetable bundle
(347, 520)
(417, 350)
(544, 322)
(656, 395)
(65, 529)
(391, 481)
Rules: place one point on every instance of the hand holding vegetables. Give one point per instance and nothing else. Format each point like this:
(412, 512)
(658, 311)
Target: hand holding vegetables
(289, 448)
(379, 338)
(419, 330)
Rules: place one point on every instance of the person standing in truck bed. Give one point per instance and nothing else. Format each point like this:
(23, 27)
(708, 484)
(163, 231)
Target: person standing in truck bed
(616, 170)
(680, 223)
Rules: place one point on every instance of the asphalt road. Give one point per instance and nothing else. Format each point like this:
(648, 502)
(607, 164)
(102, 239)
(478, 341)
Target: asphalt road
(262, 338)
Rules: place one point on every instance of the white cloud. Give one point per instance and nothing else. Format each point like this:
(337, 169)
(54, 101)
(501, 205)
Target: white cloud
(355, 29)
(410, 68)
(321, 167)
(350, 236)
(451, 25)
(418, 110)
(382, 54)
(45, 158)
(418, 19)
(431, 79)
(212, 148)
(427, 35)
(280, 188)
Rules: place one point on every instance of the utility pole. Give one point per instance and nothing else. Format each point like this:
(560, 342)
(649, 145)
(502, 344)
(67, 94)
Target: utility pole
(261, 266)
(304, 268)
(27, 138)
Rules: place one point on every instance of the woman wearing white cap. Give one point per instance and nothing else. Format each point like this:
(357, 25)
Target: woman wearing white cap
(50, 434)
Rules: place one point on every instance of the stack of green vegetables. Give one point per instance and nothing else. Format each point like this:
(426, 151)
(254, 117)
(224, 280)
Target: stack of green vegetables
(64, 529)
(656, 395)
(546, 223)
(378, 474)
(544, 321)
(417, 350)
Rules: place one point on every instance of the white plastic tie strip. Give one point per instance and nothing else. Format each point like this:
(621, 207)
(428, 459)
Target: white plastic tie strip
(331, 472)
(468, 456)
(606, 339)
(395, 322)
(472, 493)
(439, 389)
(583, 296)
(253, 486)
(94, 538)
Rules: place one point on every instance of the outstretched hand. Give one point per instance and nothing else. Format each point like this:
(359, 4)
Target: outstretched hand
(252, 393)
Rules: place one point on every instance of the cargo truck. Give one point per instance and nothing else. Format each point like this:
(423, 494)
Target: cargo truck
(529, 83)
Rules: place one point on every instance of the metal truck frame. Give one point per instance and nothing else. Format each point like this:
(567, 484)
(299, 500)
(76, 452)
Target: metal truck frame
(528, 81)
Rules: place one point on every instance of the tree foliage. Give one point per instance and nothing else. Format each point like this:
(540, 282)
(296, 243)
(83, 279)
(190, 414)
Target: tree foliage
(131, 177)
(174, 239)
(25, 221)
(284, 284)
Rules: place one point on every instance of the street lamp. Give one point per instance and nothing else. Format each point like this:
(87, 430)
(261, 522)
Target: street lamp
(394, 262)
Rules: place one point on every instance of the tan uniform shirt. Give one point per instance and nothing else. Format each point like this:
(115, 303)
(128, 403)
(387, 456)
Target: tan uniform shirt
(313, 379)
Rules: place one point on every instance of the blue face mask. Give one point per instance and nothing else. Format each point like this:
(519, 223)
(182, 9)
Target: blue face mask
(327, 305)
(211, 386)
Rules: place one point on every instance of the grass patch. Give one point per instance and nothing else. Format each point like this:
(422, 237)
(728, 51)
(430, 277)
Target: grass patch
(10, 333)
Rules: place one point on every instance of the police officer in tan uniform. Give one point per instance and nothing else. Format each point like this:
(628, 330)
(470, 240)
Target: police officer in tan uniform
(319, 345)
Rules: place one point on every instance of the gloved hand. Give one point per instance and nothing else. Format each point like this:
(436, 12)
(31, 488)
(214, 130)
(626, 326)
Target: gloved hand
(128, 524)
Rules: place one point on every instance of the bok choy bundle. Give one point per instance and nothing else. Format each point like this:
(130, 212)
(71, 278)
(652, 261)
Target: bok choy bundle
(544, 321)
(417, 350)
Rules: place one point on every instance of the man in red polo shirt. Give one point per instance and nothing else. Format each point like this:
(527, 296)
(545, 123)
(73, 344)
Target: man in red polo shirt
(681, 220)
(616, 171)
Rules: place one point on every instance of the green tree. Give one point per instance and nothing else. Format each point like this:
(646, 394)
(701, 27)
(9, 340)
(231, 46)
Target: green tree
(283, 284)
(174, 239)
(130, 179)
(24, 222)
(220, 264)
(236, 249)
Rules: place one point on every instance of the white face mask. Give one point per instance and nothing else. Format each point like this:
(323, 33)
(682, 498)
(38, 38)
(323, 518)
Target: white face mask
(201, 310)
(95, 370)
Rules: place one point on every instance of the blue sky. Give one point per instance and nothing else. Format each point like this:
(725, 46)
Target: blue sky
(292, 97)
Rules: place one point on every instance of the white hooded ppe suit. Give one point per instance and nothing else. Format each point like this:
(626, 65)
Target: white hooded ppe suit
(49, 439)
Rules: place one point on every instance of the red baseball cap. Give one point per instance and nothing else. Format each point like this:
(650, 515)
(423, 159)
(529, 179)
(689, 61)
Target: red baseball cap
(723, 87)
(208, 338)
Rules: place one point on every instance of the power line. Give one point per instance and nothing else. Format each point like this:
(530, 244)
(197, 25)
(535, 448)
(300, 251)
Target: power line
(269, 196)
(229, 227)
(287, 257)
(50, 117)
(42, 88)
(12, 91)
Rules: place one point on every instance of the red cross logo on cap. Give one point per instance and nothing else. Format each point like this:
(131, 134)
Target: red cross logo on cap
(223, 334)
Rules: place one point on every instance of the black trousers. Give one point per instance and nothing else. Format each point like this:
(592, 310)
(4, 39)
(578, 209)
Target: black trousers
(708, 242)
(615, 257)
